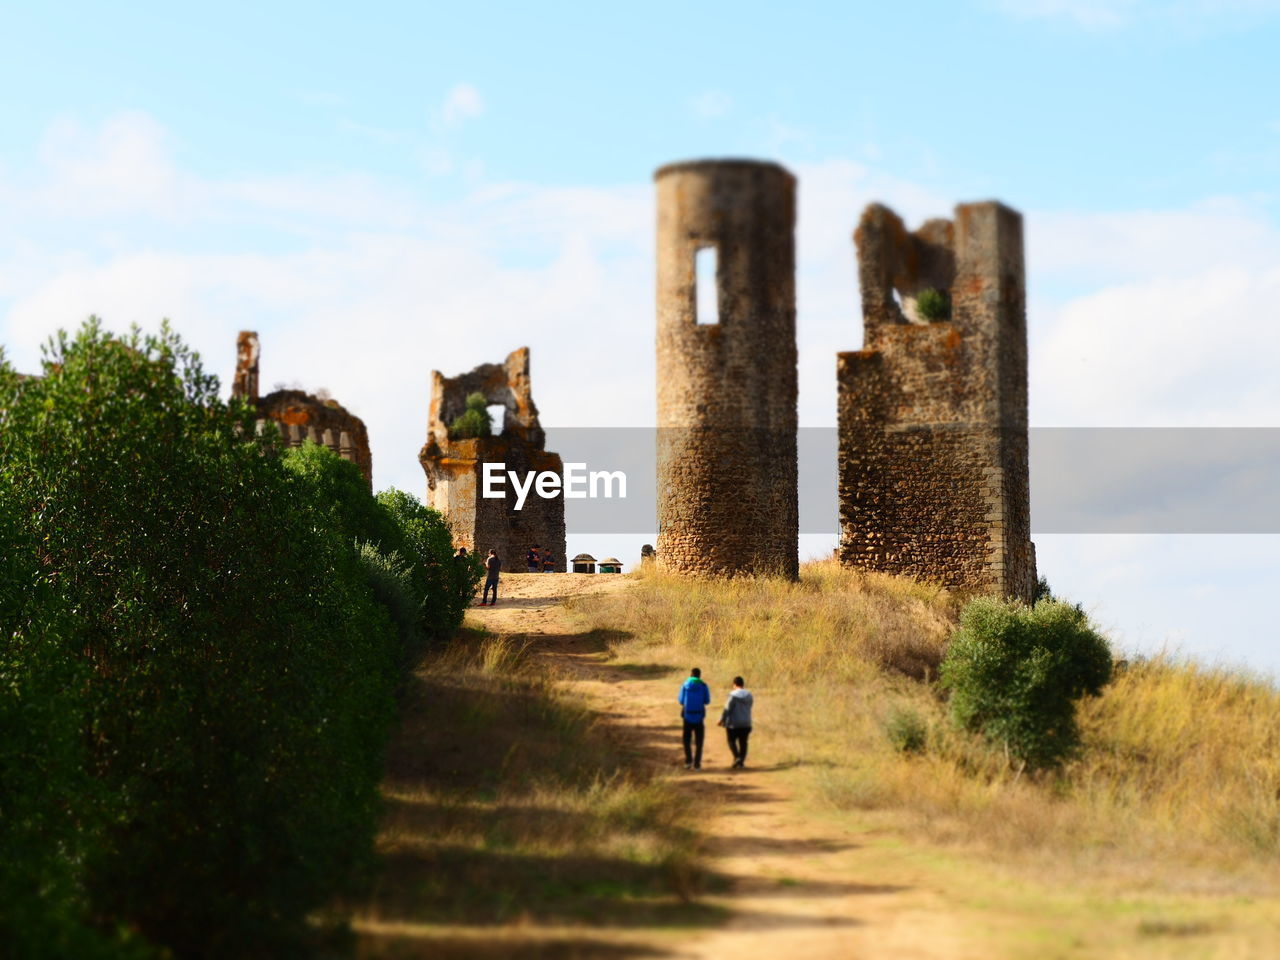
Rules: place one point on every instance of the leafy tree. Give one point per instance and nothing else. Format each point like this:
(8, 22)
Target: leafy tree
(1015, 673)
(207, 770)
(338, 487)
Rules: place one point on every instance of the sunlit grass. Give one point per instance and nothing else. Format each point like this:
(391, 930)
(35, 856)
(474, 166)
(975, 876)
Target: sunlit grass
(1178, 780)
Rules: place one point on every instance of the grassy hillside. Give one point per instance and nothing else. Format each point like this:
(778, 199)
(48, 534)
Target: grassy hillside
(1177, 786)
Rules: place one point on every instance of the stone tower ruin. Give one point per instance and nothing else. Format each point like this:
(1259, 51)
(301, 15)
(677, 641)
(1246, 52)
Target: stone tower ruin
(301, 416)
(933, 409)
(454, 466)
(727, 481)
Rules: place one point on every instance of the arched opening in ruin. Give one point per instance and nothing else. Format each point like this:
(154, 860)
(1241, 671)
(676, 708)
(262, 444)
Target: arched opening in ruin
(497, 416)
(706, 299)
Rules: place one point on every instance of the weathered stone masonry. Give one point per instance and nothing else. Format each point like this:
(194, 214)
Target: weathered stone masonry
(299, 415)
(933, 415)
(727, 391)
(454, 467)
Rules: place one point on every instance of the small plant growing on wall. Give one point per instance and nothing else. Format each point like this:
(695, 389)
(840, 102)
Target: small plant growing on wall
(474, 421)
(933, 304)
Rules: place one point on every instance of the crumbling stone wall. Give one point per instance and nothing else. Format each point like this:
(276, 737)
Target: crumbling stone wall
(454, 467)
(302, 415)
(933, 414)
(727, 482)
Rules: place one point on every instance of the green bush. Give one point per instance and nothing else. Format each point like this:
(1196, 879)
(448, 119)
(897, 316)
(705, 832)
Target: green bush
(906, 730)
(338, 487)
(448, 583)
(1015, 673)
(393, 584)
(474, 421)
(198, 673)
(933, 304)
(394, 524)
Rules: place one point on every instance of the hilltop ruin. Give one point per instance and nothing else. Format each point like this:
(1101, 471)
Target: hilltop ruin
(454, 464)
(933, 409)
(727, 481)
(301, 415)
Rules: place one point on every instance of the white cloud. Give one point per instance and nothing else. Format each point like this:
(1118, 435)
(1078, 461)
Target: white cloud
(1169, 320)
(462, 102)
(1195, 349)
(126, 165)
(711, 104)
(1187, 15)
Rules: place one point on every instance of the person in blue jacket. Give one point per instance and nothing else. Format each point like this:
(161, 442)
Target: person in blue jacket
(694, 697)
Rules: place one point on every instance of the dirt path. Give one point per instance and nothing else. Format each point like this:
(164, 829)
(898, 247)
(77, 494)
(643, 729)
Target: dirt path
(798, 886)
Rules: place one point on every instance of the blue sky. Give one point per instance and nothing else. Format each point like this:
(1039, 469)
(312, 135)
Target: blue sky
(393, 188)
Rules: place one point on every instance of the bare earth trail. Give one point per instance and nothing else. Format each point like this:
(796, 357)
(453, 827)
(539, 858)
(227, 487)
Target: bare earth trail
(795, 884)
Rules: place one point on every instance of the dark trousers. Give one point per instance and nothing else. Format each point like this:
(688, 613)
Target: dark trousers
(490, 584)
(738, 743)
(694, 733)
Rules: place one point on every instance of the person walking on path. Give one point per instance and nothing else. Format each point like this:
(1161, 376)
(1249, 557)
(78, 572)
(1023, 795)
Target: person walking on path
(694, 698)
(492, 566)
(736, 720)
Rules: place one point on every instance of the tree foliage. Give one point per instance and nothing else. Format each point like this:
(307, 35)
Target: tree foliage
(197, 663)
(1015, 673)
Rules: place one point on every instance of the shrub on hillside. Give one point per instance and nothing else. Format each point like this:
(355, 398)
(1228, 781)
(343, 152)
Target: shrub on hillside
(200, 674)
(1015, 672)
(474, 421)
(906, 730)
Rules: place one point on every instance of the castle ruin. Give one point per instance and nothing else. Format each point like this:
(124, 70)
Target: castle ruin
(301, 416)
(933, 466)
(454, 465)
(727, 473)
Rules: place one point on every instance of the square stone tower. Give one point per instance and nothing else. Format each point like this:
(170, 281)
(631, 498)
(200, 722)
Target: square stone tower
(933, 410)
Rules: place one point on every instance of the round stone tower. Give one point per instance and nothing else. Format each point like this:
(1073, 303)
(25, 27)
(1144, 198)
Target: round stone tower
(727, 369)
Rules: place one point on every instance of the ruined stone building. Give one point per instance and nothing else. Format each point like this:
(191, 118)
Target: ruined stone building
(454, 465)
(933, 410)
(301, 415)
(727, 473)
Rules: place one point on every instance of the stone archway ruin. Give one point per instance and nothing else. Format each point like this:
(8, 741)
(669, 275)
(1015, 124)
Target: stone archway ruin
(454, 466)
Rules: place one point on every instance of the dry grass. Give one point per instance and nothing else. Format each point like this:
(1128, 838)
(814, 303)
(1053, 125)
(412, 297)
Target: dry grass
(507, 805)
(1178, 784)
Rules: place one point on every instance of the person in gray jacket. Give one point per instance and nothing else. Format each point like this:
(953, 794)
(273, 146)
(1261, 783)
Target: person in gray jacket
(736, 720)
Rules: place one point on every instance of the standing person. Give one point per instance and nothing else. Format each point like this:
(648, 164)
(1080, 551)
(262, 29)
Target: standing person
(694, 697)
(532, 559)
(492, 566)
(548, 561)
(736, 720)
